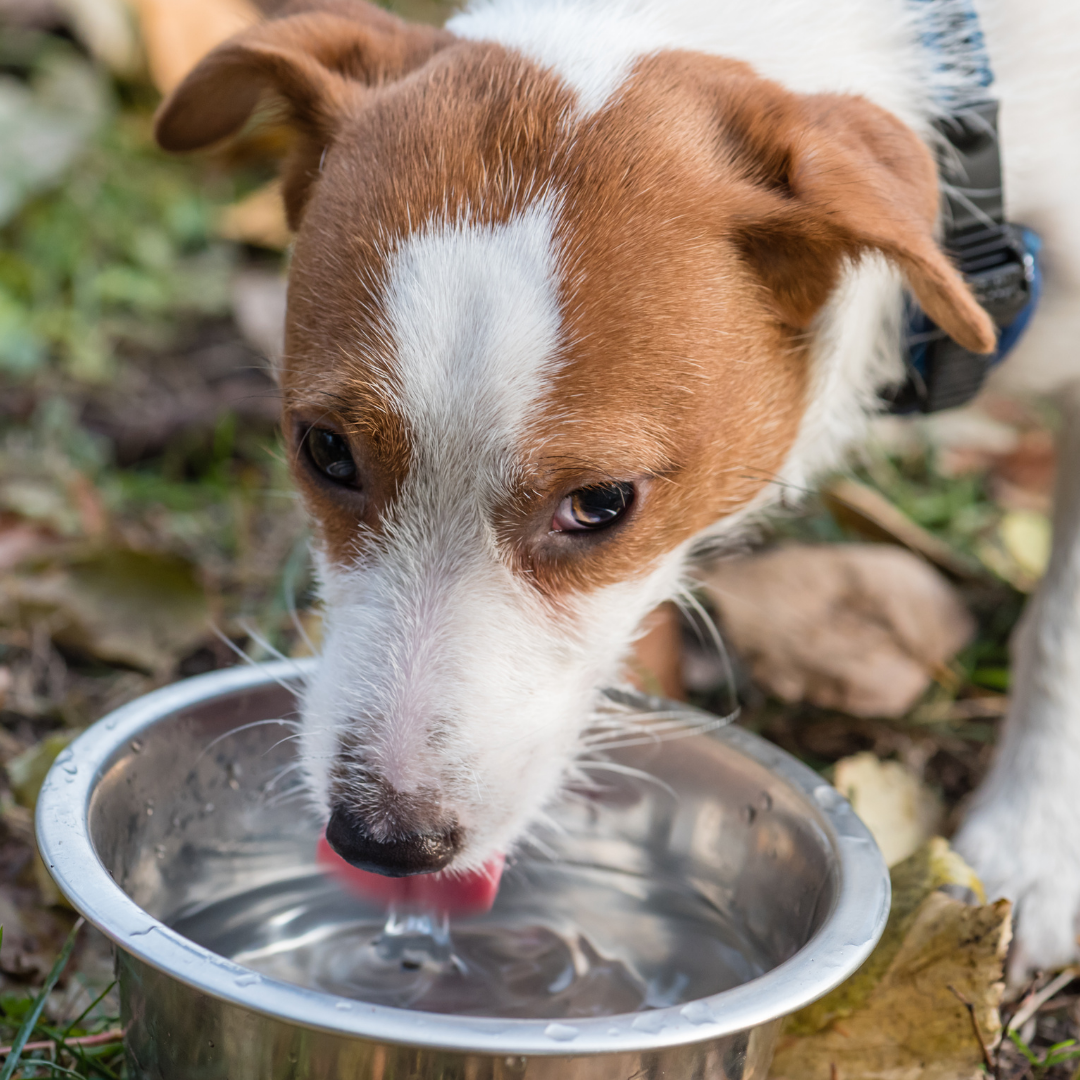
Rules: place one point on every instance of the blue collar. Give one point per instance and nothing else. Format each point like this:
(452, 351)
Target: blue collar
(998, 260)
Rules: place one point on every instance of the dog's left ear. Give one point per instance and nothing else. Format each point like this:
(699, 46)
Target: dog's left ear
(319, 59)
(832, 177)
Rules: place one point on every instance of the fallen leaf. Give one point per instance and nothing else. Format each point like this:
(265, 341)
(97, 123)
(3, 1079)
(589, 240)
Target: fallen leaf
(258, 219)
(18, 541)
(140, 609)
(862, 628)
(902, 1015)
(1026, 535)
(26, 773)
(31, 934)
(177, 34)
(893, 803)
(40, 500)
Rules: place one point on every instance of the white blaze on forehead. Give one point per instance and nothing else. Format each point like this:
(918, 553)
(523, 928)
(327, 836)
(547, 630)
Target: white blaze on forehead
(590, 46)
(426, 632)
(473, 314)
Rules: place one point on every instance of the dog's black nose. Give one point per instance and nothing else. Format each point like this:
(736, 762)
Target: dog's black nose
(413, 853)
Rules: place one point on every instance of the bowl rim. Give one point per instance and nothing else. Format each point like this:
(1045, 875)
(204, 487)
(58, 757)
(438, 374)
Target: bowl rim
(841, 944)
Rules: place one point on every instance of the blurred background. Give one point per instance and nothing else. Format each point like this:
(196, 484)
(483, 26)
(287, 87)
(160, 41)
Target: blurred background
(148, 530)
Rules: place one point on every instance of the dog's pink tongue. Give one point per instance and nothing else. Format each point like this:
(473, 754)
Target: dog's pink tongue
(456, 894)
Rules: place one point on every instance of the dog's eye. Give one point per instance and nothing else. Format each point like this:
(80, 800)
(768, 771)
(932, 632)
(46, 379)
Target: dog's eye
(593, 507)
(329, 453)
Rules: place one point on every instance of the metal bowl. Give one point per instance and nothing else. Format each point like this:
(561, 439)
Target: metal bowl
(162, 808)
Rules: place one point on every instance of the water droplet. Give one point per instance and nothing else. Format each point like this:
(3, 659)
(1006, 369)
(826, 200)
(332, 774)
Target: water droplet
(344, 1006)
(208, 808)
(652, 1022)
(828, 798)
(248, 980)
(765, 802)
(136, 746)
(71, 770)
(614, 1031)
(748, 813)
(697, 1012)
(561, 1032)
(159, 850)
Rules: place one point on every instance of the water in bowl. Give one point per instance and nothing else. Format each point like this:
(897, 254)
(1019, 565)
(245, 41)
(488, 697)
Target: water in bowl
(563, 940)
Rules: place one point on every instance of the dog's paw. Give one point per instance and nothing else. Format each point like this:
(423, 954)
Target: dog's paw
(1028, 850)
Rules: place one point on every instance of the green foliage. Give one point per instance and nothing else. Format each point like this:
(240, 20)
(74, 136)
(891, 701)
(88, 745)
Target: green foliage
(112, 255)
(1057, 1054)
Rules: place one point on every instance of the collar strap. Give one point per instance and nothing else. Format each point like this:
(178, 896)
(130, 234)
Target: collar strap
(998, 260)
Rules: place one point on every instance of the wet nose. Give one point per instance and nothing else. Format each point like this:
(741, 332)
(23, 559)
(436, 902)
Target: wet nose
(410, 853)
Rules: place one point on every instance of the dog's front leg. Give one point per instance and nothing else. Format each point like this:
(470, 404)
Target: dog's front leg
(1022, 833)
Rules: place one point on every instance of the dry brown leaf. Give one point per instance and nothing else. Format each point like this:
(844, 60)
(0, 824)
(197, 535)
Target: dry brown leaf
(858, 627)
(258, 219)
(893, 803)
(177, 34)
(902, 1016)
(140, 609)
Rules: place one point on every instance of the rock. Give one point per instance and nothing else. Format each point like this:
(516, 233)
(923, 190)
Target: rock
(861, 628)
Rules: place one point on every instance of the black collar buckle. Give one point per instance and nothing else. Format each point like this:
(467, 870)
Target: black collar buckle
(997, 260)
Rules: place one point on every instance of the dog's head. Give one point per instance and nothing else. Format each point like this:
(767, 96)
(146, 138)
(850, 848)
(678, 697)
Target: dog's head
(536, 344)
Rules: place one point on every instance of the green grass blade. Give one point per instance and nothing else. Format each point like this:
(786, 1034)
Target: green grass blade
(86, 1012)
(43, 1064)
(30, 1022)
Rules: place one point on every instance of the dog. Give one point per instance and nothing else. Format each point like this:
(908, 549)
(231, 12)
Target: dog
(578, 287)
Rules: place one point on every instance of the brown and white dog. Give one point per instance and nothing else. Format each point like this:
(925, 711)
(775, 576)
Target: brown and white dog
(579, 285)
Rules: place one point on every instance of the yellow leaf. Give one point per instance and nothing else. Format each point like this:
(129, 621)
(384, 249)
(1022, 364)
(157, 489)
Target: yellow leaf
(893, 803)
(903, 1016)
(258, 219)
(177, 34)
(1025, 535)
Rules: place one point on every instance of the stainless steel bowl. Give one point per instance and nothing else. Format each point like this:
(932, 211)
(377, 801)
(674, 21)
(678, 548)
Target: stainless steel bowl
(162, 808)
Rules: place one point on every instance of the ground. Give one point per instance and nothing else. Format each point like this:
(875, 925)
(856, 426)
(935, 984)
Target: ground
(148, 531)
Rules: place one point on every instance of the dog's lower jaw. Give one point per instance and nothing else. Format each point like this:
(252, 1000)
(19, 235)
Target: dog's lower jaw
(1022, 833)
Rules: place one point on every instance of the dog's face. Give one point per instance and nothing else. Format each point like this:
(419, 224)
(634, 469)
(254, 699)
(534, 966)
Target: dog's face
(531, 353)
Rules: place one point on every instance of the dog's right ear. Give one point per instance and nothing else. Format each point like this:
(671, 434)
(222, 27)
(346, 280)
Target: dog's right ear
(315, 60)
